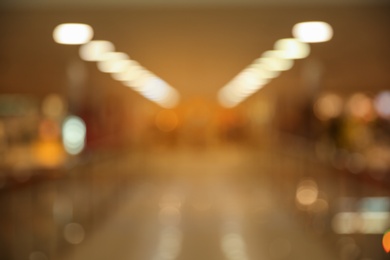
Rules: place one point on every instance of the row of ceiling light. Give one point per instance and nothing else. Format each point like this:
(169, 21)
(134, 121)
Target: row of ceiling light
(246, 83)
(273, 62)
(118, 64)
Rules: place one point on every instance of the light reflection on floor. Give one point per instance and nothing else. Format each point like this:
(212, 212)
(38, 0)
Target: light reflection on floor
(231, 202)
(217, 204)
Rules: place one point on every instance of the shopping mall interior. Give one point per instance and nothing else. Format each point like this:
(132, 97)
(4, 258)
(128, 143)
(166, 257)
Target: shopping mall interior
(183, 130)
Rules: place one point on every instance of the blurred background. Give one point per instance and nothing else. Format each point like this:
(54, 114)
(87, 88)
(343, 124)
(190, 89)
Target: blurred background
(185, 130)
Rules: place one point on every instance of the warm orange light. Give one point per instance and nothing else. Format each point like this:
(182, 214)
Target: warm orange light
(386, 241)
(328, 106)
(166, 120)
(307, 192)
(49, 154)
(360, 106)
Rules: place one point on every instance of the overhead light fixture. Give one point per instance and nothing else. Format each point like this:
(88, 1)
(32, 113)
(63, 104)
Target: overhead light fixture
(275, 61)
(118, 64)
(73, 33)
(113, 62)
(313, 32)
(130, 73)
(94, 50)
(272, 62)
(292, 48)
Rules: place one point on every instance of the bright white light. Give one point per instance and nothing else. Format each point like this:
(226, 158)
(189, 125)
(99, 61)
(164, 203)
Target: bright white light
(171, 100)
(292, 48)
(225, 99)
(155, 89)
(274, 61)
(262, 70)
(73, 33)
(382, 104)
(73, 134)
(130, 73)
(141, 79)
(232, 94)
(113, 62)
(94, 50)
(150, 86)
(242, 86)
(313, 32)
(362, 222)
(249, 79)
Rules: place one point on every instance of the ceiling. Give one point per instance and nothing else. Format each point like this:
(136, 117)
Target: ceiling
(154, 3)
(196, 50)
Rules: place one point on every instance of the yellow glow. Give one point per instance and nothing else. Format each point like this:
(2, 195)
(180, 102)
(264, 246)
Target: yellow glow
(113, 62)
(313, 32)
(49, 154)
(94, 50)
(73, 33)
(275, 61)
(292, 48)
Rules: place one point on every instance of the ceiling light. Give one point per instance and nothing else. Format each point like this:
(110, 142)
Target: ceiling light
(113, 62)
(73, 33)
(274, 61)
(313, 32)
(292, 48)
(94, 50)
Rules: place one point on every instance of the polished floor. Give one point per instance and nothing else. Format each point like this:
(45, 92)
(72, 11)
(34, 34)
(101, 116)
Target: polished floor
(230, 202)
